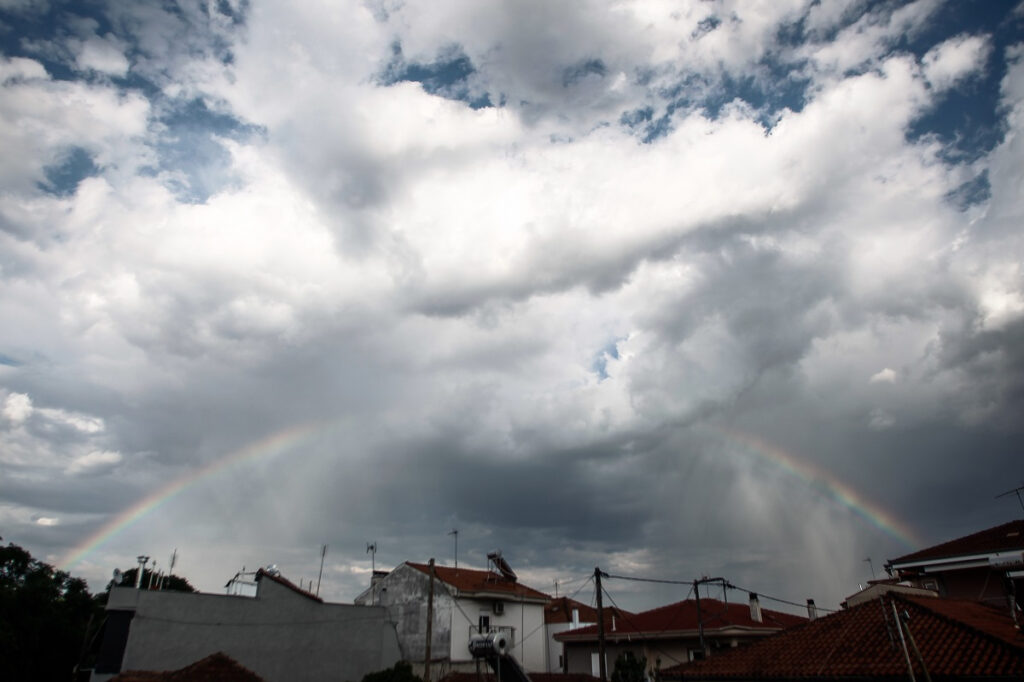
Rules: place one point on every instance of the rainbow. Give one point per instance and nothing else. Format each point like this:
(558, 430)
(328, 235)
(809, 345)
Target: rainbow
(273, 444)
(828, 483)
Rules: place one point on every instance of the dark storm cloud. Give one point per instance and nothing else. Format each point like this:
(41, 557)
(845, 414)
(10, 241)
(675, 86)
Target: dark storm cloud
(569, 280)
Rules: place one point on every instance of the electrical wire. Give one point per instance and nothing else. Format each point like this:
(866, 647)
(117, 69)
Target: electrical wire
(630, 621)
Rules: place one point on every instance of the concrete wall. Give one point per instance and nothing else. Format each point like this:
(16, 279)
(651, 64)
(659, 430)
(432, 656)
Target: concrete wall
(403, 595)
(280, 635)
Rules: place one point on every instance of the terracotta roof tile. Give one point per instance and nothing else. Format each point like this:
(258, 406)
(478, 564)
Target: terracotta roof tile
(955, 638)
(682, 616)
(218, 667)
(1007, 537)
(559, 610)
(468, 580)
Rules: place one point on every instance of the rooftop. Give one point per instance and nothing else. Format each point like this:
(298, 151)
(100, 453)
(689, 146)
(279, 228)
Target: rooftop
(673, 619)
(218, 667)
(469, 581)
(956, 638)
(1007, 537)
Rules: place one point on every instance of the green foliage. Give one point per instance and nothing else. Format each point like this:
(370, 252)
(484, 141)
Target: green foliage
(402, 672)
(629, 668)
(46, 617)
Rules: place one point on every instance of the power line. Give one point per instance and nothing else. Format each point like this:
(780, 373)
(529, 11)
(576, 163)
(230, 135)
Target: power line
(650, 580)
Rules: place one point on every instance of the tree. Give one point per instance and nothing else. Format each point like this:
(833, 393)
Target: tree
(174, 583)
(629, 668)
(46, 617)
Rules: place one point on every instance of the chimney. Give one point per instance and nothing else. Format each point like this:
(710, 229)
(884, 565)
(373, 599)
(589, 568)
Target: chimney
(812, 610)
(755, 608)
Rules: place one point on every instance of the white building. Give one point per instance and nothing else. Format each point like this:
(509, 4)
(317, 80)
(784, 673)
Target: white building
(465, 602)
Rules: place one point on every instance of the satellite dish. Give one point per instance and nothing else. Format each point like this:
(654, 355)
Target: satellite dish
(118, 575)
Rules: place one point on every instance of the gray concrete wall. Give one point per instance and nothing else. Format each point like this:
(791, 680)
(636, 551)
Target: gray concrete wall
(280, 635)
(403, 594)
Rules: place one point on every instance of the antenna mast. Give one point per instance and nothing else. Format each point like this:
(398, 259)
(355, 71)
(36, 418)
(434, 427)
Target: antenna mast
(455, 532)
(371, 549)
(323, 553)
(1016, 490)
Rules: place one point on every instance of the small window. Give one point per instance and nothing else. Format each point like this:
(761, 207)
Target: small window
(484, 625)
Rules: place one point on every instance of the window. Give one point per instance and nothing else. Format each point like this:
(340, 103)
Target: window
(484, 624)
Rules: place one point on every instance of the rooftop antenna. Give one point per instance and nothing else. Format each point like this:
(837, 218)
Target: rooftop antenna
(1016, 490)
(323, 553)
(371, 549)
(871, 566)
(143, 560)
(455, 532)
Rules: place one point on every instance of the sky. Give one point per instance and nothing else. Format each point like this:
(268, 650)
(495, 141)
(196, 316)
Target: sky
(673, 289)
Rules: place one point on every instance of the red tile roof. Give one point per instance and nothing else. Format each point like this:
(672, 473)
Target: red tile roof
(470, 581)
(218, 667)
(669, 621)
(559, 610)
(956, 638)
(1007, 537)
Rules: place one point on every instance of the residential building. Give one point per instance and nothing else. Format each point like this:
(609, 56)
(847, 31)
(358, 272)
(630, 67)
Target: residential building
(282, 634)
(672, 634)
(563, 614)
(986, 566)
(465, 602)
(933, 638)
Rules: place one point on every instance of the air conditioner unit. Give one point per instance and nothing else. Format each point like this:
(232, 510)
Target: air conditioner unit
(499, 607)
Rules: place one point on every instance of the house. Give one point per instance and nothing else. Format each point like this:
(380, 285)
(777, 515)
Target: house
(563, 614)
(282, 634)
(672, 634)
(217, 666)
(938, 639)
(986, 566)
(465, 602)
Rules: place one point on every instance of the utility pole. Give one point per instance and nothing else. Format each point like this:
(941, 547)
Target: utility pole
(700, 621)
(323, 553)
(600, 625)
(430, 621)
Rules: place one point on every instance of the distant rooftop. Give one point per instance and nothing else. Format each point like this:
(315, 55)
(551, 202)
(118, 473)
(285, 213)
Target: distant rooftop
(1007, 537)
(957, 639)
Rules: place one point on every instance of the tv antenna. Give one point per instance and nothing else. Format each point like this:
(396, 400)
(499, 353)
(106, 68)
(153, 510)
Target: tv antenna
(371, 549)
(871, 566)
(323, 553)
(455, 532)
(1016, 490)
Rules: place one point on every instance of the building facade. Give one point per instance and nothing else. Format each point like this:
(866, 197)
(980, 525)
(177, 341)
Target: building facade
(283, 633)
(673, 634)
(465, 602)
(987, 566)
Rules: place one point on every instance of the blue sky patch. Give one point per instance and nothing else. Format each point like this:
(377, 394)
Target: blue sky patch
(447, 76)
(188, 147)
(63, 178)
(600, 363)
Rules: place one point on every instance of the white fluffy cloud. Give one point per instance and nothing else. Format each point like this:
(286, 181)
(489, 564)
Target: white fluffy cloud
(532, 301)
